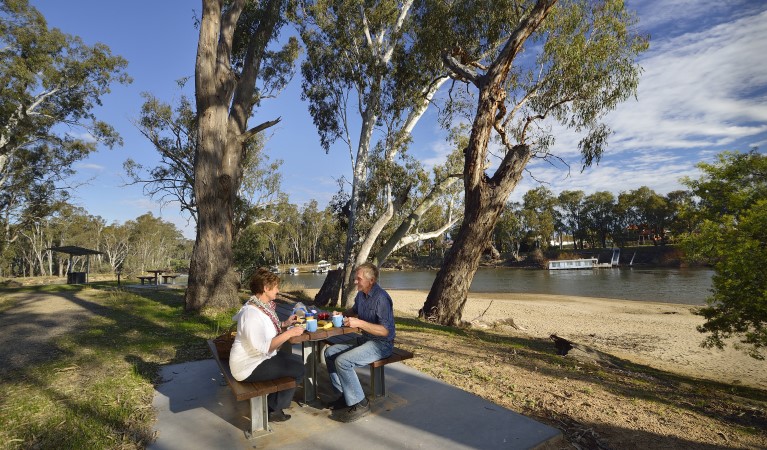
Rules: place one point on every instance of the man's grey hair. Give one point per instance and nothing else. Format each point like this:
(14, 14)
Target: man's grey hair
(370, 270)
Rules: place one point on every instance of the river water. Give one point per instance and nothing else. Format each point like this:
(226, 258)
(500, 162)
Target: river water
(685, 286)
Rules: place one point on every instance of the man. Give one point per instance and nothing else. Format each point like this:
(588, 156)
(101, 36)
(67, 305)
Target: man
(373, 313)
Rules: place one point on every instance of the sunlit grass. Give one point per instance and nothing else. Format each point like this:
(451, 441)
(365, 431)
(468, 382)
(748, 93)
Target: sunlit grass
(96, 390)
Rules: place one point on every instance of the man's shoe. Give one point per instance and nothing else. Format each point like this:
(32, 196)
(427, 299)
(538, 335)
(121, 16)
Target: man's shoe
(278, 416)
(337, 405)
(355, 412)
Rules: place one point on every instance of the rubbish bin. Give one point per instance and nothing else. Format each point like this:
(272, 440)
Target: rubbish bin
(76, 278)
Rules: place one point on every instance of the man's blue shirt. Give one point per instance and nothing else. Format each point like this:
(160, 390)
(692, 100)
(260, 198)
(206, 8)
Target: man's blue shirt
(376, 307)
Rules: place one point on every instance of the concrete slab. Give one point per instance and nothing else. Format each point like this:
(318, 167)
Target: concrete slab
(195, 411)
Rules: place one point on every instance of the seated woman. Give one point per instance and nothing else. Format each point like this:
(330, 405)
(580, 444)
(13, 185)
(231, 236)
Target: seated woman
(260, 334)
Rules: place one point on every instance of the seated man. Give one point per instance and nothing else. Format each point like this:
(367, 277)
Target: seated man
(373, 313)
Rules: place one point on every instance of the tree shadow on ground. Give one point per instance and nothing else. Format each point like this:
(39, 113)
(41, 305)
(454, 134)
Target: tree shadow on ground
(622, 377)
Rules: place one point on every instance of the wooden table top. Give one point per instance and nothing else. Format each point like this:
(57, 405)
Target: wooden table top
(284, 310)
(322, 334)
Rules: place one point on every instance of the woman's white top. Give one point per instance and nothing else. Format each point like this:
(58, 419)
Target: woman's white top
(255, 332)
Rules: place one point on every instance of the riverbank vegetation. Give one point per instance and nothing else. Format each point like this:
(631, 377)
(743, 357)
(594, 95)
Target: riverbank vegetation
(91, 385)
(307, 234)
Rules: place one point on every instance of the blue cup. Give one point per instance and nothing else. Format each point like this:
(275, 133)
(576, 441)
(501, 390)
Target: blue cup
(311, 324)
(338, 321)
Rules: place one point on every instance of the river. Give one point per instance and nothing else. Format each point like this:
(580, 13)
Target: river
(685, 286)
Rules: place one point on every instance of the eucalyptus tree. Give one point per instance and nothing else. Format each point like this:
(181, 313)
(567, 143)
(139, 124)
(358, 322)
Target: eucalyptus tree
(599, 209)
(51, 83)
(681, 203)
(316, 223)
(570, 205)
(731, 235)
(234, 68)
(509, 232)
(115, 243)
(62, 225)
(441, 190)
(625, 224)
(568, 62)
(359, 66)
(539, 215)
(153, 243)
(173, 133)
(642, 209)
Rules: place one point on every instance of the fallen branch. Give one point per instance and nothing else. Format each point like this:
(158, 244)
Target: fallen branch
(483, 312)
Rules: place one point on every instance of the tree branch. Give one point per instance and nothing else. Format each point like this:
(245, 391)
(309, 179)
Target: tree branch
(460, 71)
(248, 135)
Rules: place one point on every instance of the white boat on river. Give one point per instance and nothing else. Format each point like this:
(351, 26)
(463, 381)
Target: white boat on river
(569, 264)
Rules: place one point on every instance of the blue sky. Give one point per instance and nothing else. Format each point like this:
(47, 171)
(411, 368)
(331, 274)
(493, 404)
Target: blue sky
(703, 90)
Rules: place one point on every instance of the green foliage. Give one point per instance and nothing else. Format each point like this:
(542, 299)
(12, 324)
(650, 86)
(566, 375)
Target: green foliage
(598, 208)
(730, 185)
(173, 132)
(47, 79)
(732, 195)
(539, 215)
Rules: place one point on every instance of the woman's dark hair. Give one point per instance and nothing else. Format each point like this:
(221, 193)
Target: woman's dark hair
(261, 280)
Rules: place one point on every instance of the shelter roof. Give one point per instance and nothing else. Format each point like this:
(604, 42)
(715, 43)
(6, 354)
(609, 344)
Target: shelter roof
(76, 251)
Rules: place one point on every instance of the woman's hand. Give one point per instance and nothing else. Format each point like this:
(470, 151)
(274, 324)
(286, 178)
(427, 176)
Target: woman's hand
(291, 320)
(295, 331)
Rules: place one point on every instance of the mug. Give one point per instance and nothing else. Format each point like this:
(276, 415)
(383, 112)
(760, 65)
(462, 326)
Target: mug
(311, 324)
(338, 321)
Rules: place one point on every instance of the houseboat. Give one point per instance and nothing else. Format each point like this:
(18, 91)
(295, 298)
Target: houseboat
(322, 267)
(566, 264)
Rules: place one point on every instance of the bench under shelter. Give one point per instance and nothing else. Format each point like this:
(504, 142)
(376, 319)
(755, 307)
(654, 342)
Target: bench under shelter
(72, 251)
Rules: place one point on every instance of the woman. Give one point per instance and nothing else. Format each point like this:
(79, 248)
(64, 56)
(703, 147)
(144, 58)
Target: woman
(260, 334)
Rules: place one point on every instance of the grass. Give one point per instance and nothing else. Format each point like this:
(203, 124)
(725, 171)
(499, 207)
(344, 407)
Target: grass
(96, 388)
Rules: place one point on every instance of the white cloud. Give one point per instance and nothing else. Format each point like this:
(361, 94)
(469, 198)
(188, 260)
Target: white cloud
(437, 154)
(91, 166)
(692, 91)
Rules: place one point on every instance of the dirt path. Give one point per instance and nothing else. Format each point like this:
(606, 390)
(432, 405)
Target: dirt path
(29, 322)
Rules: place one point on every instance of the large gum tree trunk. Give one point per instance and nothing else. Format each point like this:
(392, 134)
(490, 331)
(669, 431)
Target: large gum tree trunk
(450, 289)
(483, 206)
(224, 105)
(212, 283)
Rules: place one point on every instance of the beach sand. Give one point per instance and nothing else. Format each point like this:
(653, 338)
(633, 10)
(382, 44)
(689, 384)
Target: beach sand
(659, 335)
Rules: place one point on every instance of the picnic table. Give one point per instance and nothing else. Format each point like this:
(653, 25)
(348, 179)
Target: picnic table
(157, 273)
(310, 349)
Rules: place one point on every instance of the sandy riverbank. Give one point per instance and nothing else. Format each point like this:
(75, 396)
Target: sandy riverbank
(659, 335)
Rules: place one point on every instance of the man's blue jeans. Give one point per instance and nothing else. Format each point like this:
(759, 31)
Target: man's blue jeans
(342, 359)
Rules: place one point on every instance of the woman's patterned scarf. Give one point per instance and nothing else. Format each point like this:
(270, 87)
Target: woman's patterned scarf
(268, 310)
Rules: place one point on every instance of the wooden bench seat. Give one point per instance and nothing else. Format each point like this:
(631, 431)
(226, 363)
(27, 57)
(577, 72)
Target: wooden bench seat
(377, 378)
(255, 392)
(149, 278)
